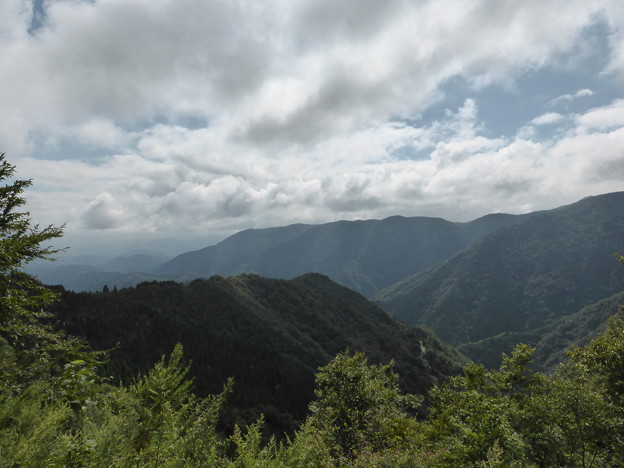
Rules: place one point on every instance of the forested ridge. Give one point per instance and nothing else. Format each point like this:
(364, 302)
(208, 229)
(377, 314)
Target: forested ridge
(58, 407)
(519, 282)
(270, 335)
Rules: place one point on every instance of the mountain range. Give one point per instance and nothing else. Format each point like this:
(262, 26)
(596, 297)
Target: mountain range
(518, 280)
(365, 256)
(483, 285)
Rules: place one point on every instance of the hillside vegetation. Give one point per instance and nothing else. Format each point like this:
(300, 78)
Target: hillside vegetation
(518, 279)
(269, 335)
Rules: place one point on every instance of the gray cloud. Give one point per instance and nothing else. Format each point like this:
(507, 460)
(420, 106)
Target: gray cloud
(303, 111)
(321, 22)
(102, 213)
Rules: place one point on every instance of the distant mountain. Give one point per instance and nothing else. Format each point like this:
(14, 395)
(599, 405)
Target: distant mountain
(97, 271)
(270, 335)
(74, 277)
(134, 263)
(365, 256)
(518, 279)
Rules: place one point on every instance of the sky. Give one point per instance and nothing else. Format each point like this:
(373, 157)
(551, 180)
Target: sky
(148, 118)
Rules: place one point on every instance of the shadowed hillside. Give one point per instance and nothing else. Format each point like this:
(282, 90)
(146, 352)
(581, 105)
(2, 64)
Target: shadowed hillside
(270, 335)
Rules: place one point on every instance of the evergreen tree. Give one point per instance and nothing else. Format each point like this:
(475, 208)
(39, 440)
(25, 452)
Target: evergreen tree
(30, 347)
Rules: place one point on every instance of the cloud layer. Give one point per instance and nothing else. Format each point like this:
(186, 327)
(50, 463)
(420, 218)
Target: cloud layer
(181, 115)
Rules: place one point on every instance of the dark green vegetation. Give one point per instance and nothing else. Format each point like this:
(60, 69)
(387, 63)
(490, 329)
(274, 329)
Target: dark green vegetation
(57, 409)
(553, 340)
(521, 281)
(270, 335)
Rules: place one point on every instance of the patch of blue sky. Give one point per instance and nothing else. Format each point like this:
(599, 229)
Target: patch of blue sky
(38, 16)
(188, 121)
(412, 153)
(571, 83)
(67, 149)
(71, 151)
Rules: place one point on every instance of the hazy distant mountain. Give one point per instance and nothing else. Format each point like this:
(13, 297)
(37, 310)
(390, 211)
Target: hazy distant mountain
(365, 256)
(270, 335)
(97, 271)
(134, 263)
(520, 278)
(74, 277)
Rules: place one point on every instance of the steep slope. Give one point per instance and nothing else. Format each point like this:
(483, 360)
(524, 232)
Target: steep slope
(365, 256)
(270, 335)
(521, 277)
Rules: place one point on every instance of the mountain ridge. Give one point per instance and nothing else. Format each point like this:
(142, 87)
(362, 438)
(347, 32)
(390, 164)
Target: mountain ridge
(269, 334)
(520, 277)
(364, 255)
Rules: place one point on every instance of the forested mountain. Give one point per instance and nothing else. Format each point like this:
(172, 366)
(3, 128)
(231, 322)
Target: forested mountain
(551, 341)
(365, 256)
(270, 335)
(519, 279)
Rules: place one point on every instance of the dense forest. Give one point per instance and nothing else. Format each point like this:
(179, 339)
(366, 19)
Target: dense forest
(59, 406)
(269, 335)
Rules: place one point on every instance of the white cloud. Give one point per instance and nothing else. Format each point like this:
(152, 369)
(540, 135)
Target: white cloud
(547, 118)
(567, 98)
(603, 118)
(307, 110)
(103, 213)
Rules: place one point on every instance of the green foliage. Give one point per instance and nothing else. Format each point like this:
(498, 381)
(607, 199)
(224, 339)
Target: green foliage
(29, 346)
(359, 406)
(473, 413)
(567, 420)
(156, 421)
(525, 418)
(603, 358)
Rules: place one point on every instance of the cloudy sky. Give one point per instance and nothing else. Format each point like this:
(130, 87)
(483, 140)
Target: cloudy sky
(197, 117)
